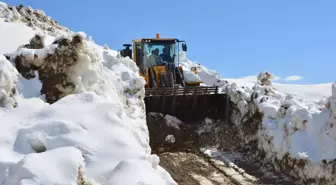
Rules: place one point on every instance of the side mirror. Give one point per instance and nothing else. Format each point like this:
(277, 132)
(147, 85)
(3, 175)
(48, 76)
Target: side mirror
(184, 47)
(127, 45)
(127, 52)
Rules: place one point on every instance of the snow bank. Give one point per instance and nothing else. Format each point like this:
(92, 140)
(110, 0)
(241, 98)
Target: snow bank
(95, 131)
(292, 130)
(21, 32)
(189, 76)
(96, 128)
(8, 83)
(60, 169)
(107, 114)
(35, 19)
(207, 76)
(295, 132)
(296, 135)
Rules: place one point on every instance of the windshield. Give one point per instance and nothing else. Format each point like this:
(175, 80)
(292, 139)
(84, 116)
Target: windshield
(156, 54)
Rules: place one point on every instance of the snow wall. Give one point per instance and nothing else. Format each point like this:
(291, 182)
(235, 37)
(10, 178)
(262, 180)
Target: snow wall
(71, 112)
(296, 135)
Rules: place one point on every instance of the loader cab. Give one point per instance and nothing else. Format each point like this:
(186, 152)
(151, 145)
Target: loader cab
(157, 54)
(154, 52)
(151, 52)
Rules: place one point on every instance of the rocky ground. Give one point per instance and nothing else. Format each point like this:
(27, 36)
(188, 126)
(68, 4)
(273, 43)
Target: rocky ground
(188, 164)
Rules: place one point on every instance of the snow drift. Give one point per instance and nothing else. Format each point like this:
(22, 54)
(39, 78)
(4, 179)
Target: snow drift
(297, 135)
(8, 83)
(86, 127)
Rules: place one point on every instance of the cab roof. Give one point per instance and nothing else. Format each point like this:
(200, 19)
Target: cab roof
(156, 39)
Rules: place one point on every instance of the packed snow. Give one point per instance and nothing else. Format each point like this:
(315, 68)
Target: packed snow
(170, 138)
(31, 167)
(170, 121)
(204, 75)
(22, 35)
(8, 82)
(98, 133)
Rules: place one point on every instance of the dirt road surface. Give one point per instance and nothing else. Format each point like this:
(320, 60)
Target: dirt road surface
(190, 161)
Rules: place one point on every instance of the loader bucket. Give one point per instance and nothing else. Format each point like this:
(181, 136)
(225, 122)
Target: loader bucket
(188, 103)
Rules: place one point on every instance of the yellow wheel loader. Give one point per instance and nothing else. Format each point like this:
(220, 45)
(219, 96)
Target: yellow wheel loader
(167, 90)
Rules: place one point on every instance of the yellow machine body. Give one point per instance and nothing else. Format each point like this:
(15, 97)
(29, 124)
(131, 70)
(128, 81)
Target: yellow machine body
(141, 45)
(166, 90)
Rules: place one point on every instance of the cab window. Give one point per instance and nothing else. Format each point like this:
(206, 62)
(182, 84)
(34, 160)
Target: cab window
(158, 53)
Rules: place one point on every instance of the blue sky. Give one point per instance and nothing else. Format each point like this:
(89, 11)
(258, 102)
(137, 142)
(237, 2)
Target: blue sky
(236, 37)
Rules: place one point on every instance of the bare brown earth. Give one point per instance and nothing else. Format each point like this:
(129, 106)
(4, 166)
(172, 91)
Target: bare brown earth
(192, 169)
(188, 165)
